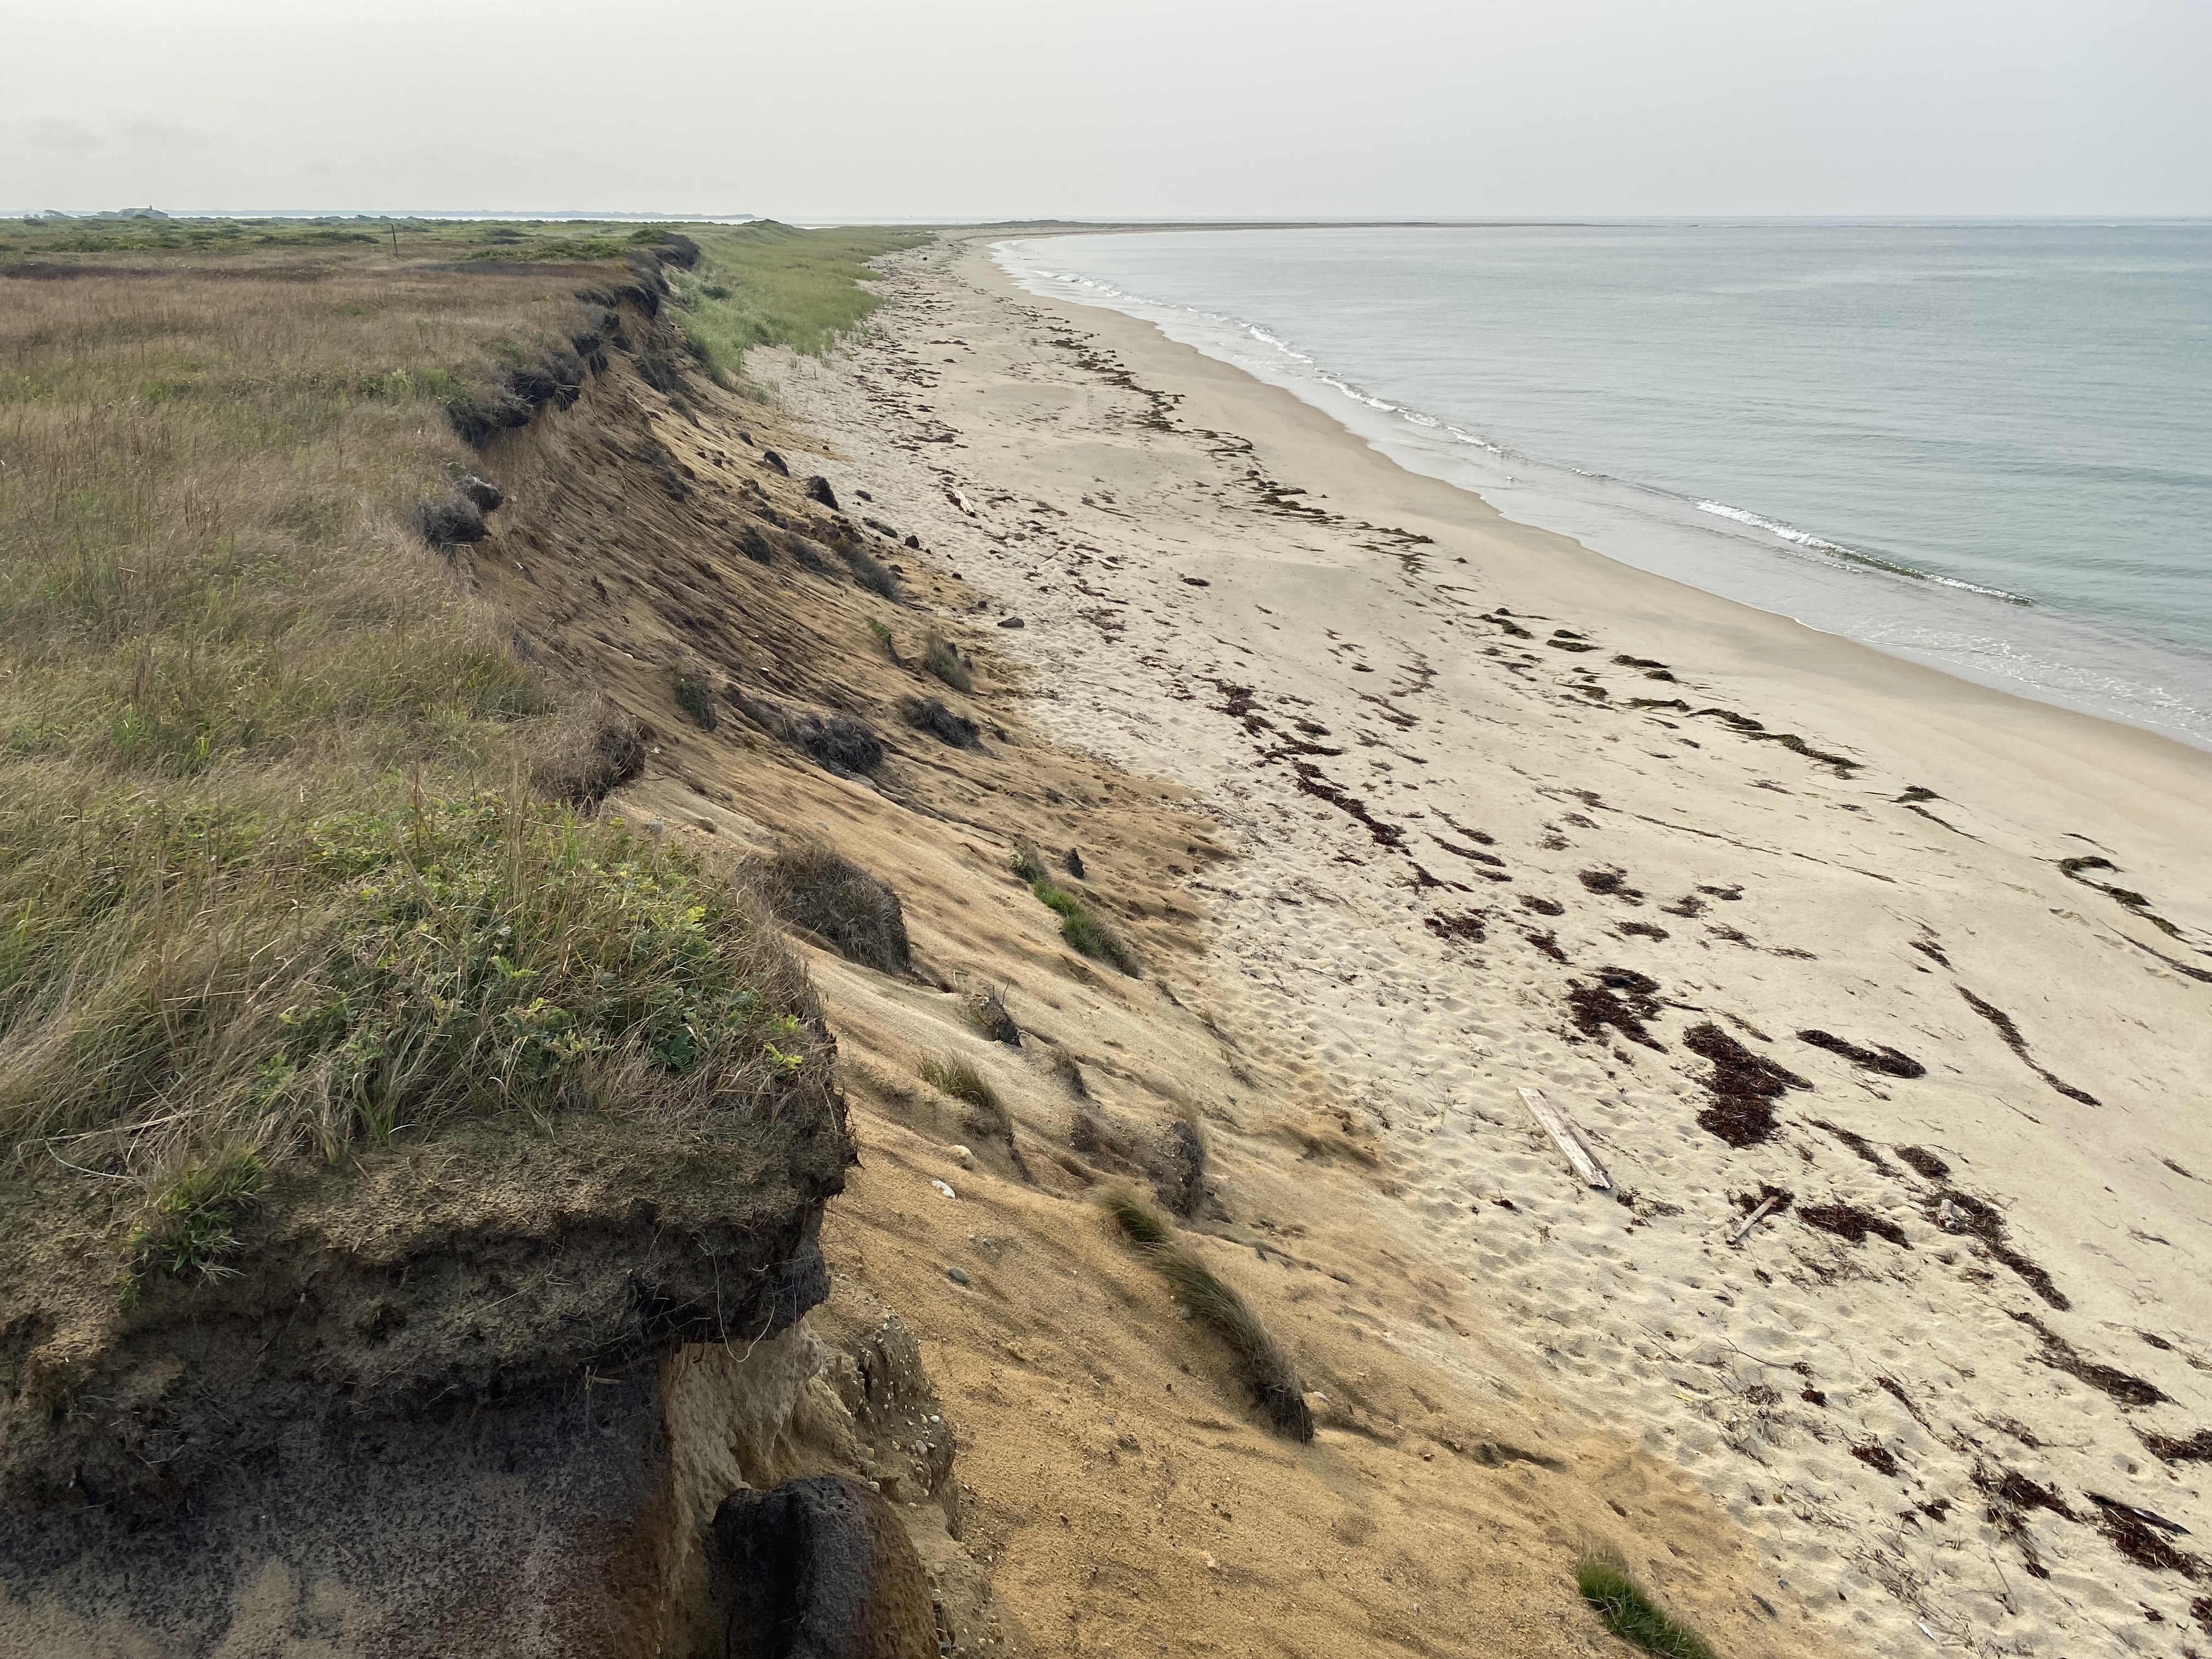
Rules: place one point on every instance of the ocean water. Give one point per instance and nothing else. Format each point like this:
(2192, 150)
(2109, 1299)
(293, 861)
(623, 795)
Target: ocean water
(1986, 447)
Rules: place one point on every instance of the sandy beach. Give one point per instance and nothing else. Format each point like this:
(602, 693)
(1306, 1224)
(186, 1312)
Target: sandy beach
(1878, 997)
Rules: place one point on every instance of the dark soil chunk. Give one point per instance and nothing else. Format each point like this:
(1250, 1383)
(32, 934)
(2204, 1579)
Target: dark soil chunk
(1849, 1221)
(1928, 948)
(928, 714)
(2197, 1449)
(1466, 926)
(2018, 1044)
(1744, 1086)
(450, 521)
(819, 1568)
(1971, 1215)
(1542, 907)
(1858, 1142)
(1886, 1061)
(1643, 929)
(1920, 1158)
(1876, 1456)
(2062, 1356)
(1177, 1169)
(1688, 906)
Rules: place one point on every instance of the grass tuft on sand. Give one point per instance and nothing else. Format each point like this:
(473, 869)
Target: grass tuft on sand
(1630, 1612)
(1257, 1359)
(1078, 923)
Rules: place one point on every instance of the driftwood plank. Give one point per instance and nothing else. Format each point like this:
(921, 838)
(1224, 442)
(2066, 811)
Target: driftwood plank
(1569, 1141)
(1754, 1219)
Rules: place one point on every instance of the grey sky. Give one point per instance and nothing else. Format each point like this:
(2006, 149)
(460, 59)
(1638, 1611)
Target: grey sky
(1152, 108)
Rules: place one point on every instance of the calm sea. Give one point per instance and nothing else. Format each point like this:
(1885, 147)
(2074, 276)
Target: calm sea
(1983, 447)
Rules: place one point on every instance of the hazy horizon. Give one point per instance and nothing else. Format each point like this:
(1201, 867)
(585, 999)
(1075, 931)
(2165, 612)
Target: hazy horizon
(984, 110)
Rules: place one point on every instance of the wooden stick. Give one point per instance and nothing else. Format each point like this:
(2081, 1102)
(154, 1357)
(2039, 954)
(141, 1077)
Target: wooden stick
(1568, 1140)
(1753, 1221)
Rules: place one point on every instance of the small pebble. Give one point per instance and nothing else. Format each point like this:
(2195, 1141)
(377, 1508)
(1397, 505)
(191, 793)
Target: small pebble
(957, 1275)
(1011, 621)
(944, 1188)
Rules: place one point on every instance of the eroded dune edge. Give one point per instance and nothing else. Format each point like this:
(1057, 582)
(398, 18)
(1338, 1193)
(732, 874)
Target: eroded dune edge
(1369, 812)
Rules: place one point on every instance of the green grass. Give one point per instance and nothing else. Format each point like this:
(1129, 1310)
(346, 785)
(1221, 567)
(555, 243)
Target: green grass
(950, 1074)
(1257, 1358)
(773, 284)
(1078, 923)
(1630, 1612)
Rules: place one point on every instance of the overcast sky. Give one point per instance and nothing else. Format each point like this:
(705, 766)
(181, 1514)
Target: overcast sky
(1144, 108)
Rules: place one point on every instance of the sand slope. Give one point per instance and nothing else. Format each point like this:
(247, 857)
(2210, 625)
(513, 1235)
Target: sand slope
(1469, 861)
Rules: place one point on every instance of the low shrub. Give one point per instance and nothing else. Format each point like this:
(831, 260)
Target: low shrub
(694, 693)
(809, 885)
(1257, 1359)
(1630, 1612)
(943, 658)
(599, 749)
(873, 574)
(928, 714)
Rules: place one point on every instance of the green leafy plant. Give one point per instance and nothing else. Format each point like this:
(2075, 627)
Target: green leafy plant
(192, 1224)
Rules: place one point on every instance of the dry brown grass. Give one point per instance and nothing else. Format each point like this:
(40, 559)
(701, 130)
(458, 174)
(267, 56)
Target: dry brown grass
(269, 878)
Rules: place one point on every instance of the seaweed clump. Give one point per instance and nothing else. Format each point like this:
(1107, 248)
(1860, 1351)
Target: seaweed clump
(1597, 1006)
(1744, 1086)
(1881, 1058)
(1851, 1222)
(1973, 1216)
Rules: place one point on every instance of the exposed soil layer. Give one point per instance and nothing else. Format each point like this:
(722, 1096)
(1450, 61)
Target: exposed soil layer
(1744, 1086)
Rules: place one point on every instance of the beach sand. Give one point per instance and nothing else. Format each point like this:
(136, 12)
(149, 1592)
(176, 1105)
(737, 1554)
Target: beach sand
(1507, 814)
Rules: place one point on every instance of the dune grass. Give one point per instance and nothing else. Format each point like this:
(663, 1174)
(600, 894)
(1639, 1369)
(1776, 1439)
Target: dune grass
(1078, 923)
(773, 284)
(269, 886)
(941, 658)
(1256, 1358)
(1630, 1612)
